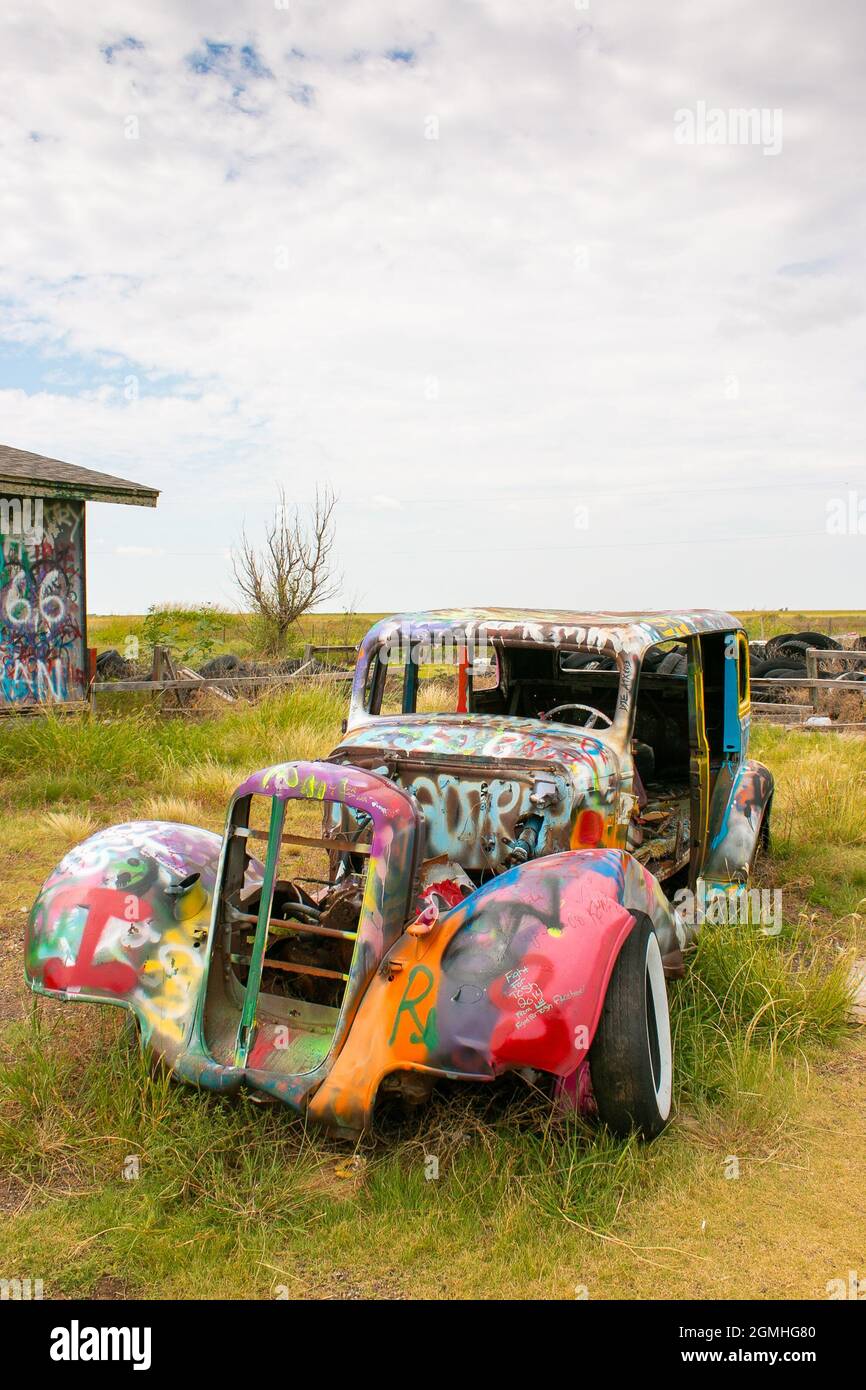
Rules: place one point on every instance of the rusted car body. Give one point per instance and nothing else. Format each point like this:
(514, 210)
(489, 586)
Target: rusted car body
(495, 886)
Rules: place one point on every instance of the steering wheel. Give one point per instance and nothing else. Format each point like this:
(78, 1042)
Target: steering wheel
(590, 710)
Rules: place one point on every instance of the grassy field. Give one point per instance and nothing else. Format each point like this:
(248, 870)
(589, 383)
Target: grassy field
(765, 623)
(230, 632)
(236, 1201)
(236, 633)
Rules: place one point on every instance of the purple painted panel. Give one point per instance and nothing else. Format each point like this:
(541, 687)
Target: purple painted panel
(42, 657)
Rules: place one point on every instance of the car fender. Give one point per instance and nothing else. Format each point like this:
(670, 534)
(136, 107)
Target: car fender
(124, 920)
(739, 814)
(513, 977)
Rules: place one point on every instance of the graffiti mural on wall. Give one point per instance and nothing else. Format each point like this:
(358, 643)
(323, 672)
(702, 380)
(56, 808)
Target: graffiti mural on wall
(41, 606)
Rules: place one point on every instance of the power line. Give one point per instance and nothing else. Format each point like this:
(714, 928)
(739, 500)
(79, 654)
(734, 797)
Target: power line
(738, 539)
(674, 489)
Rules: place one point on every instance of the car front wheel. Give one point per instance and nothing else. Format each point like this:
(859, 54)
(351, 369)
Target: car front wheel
(631, 1059)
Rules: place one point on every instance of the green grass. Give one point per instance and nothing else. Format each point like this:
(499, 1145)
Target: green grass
(235, 632)
(765, 623)
(748, 1001)
(232, 632)
(68, 760)
(237, 1200)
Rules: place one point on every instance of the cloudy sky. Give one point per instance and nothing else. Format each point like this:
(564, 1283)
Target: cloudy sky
(465, 262)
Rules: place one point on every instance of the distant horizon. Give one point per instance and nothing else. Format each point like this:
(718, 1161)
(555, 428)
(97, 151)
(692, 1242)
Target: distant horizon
(387, 612)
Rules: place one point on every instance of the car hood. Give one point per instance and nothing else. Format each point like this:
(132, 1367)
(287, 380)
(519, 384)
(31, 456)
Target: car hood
(487, 737)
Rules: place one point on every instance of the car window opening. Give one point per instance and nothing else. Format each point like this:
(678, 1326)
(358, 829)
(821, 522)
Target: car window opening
(311, 932)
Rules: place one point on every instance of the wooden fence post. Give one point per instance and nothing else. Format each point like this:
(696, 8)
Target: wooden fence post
(812, 673)
(91, 677)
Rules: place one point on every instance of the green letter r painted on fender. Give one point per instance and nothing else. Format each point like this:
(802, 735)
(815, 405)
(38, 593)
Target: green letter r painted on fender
(426, 1032)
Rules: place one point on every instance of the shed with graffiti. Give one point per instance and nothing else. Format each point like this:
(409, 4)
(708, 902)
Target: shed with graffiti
(43, 636)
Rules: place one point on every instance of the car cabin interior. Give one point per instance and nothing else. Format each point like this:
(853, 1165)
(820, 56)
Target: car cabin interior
(678, 749)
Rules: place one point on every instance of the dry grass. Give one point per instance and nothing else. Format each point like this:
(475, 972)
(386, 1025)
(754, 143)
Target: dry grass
(234, 1200)
(208, 783)
(171, 808)
(821, 787)
(70, 826)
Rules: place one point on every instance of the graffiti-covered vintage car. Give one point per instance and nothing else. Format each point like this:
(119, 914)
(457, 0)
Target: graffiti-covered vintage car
(453, 893)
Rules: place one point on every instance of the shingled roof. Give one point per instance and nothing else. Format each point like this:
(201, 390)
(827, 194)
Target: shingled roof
(33, 475)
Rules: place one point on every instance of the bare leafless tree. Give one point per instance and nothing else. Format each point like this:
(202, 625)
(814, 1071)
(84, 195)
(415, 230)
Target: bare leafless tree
(293, 570)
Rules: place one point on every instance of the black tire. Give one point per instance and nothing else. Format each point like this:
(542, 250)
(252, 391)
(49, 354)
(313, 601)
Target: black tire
(779, 693)
(777, 666)
(776, 645)
(653, 659)
(673, 664)
(111, 666)
(795, 649)
(630, 1061)
(220, 665)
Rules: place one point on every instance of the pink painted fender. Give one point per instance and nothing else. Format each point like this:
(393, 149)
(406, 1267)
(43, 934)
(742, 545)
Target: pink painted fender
(525, 972)
(514, 976)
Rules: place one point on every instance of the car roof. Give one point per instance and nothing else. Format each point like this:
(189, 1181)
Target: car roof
(632, 632)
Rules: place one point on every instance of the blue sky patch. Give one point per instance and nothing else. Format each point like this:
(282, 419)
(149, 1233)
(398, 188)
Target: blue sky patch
(230, 61)
(302, 93)
(129, 44)
(61, 372)
(819, 266)
(252, 63)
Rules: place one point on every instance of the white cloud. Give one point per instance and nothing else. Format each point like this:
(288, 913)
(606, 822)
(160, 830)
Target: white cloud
(486, 329)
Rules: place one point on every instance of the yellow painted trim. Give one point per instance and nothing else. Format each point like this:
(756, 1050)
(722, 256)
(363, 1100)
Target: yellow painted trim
(744, 704)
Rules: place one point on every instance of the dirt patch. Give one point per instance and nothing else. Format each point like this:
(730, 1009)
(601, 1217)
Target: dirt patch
(107, 1289)
(13, 992)
(346, 1285)
(13, 1196)
(110, 1289)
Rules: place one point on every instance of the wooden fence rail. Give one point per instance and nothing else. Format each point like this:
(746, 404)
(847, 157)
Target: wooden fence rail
(815, 656)
(166, 677)
(346, 648)
(822, 682)
(218, 682)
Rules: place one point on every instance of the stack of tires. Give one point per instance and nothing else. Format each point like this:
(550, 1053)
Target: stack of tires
(784, 658)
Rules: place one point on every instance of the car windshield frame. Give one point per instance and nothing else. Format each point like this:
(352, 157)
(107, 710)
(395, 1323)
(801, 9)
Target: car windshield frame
(368, 685)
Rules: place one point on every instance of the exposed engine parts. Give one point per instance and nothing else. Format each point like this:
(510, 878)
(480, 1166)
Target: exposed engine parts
(524, 847)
